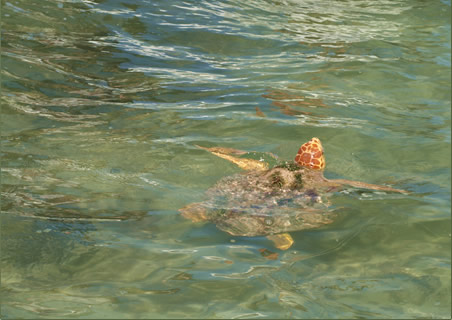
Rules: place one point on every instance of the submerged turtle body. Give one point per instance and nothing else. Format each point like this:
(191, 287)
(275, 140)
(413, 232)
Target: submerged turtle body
(272, 202)
(266, 202)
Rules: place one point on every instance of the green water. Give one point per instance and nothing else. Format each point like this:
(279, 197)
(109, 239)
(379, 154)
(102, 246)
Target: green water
(103, 103)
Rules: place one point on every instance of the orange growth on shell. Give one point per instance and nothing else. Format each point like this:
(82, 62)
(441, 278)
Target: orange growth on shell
(310, 155)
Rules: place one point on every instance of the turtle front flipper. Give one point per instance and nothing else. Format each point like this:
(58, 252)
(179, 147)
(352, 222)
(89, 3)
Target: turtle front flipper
(243, 163)
(359, 184)
(282, 241)
(222, 150)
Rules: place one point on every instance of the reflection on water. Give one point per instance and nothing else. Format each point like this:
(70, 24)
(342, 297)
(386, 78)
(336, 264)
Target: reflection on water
(105, 101)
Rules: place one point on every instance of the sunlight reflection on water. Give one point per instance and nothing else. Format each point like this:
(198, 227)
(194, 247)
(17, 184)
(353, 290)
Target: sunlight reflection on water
(104, 103)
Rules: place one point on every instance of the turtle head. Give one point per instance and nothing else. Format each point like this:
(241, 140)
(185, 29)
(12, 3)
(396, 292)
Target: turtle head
(310, 155)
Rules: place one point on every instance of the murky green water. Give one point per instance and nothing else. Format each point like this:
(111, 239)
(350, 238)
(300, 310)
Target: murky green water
(103, 103)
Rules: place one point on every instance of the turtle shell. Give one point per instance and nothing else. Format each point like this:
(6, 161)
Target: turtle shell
(285, 198)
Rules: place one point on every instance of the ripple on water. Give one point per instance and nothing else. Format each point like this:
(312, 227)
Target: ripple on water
(104, 103)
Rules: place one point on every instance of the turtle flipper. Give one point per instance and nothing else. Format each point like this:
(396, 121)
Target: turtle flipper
(194, 211)
(243, 163)
(359, 184)
(282, 241)
(224, 150)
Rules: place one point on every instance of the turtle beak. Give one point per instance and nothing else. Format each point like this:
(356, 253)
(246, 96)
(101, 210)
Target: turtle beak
(311, 155)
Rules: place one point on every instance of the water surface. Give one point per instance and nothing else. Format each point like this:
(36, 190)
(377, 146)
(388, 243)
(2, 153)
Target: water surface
(104, 102)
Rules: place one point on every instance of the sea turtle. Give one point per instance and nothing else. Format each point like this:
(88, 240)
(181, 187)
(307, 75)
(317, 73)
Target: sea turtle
(272, 202)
